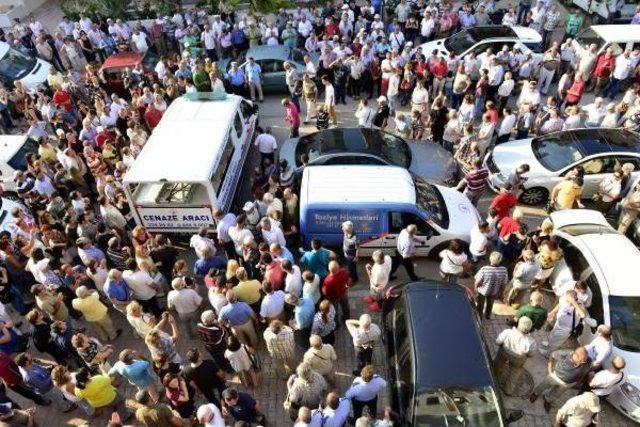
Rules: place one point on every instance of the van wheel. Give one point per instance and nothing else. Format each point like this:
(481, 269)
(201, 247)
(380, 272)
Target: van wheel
(534, 196)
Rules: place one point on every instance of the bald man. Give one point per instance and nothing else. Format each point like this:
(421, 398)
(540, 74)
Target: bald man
(335, 288)
(604, 382)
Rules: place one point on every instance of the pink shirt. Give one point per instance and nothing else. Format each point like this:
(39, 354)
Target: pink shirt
(292, 115)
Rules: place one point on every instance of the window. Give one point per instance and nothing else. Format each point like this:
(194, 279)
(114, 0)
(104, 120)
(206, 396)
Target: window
(223, 164)
(247, 109)
(556, 151)
(271, 66)
(635, 161)
(237, 123)
(353, 160)
(595, 310)
(404, 360)
(600, 165)
(574, 258)
(14, 65)
(398, 221)
(19, 160)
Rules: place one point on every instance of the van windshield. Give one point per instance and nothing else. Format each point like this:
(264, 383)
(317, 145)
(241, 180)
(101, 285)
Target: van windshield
(430, 201)
(587, 37)
(457, 407)
(19, 160)
(625, 322)
(14, 65)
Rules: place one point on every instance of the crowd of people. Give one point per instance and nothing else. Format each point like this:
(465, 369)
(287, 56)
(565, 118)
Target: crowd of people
(78, 255)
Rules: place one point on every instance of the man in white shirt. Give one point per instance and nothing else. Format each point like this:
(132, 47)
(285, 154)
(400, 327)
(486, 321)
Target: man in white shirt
(223, 224)
(364, 114)
(605, 381)
(201, 244)
(579, 411)
(210, 416)
(506, 126)
(600, 347)
(272, 234)
(620, 74)
(266, 145)
(379, 275)
(309, 67)
(330, 99)
(139, 39)
(185, 301)
(515, 346)
(595, 113)
(304, 27)
(405, 251)
(209, 38)
(568, 313)
(142, 286)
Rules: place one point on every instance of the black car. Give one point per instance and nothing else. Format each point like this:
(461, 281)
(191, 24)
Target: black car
(439, 365)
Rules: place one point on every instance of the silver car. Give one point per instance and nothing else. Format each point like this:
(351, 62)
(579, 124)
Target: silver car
(364, 146)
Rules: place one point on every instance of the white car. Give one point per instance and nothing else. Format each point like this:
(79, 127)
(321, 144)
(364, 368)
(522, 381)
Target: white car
(479, 39)
(15, 65)
(607, 262)
(6, 218)
(599, 151)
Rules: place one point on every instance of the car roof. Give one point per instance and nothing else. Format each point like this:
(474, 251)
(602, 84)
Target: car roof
(618, 33)
(594, 141)
(618, 259)
(122, 60)
(268, 52)
(9, 146)
(190, 135)
(357, 184)
(569, 217)
(492, 31)
(448, 346)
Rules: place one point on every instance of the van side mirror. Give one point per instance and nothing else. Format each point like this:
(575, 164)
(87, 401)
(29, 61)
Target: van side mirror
(514, 415)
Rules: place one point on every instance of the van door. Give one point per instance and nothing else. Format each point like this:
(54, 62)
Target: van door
(398, 221)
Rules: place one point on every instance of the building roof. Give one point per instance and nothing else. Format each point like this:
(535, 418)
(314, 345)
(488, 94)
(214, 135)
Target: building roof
(448, 347)
(358, 184)
(186, 144)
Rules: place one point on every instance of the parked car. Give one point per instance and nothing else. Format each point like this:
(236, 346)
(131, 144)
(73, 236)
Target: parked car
(6, 218)
(114, 68)
(271, 60)
(438, 363)
(13, 158)
(607, 262)
(363, 146)
(15, 65)
(478, 39)
(598, 150)
(617, 37)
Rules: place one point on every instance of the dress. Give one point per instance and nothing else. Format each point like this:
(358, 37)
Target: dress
(239, 359)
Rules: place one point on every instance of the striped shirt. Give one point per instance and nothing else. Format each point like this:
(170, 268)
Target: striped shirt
(281, 345)
(476, 179)
(322, 328)
(490, 279)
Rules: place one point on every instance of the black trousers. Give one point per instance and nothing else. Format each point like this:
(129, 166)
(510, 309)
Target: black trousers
(358, 406)
(23, 390)
(151, 306)
(230, 250)
(408, 265)
(364, 356)
(484, 305)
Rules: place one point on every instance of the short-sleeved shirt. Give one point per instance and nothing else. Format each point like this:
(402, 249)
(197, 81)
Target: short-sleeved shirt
(248, 291)
(566, 369)
(159, 415)
(90, 307)
(98, 393)
(304, 312)
(491, 279)
(537, 314)
(237, 313)
(205, 376)
(137, 373)
(317, 261)
(244, 409)
(568, 192)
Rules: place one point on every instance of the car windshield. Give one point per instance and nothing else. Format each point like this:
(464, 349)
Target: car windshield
(625, 322)
(556, 153)
(14, 65)
(460, 42)
(297, 56)
(430, 201)
(457, 407)
(19, 160)
(588, 37)
(388, 147)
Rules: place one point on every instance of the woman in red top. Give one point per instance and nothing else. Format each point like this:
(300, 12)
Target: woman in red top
(575, 92)
(179, 395)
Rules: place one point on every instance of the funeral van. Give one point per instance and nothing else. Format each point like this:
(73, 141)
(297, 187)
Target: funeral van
(192, 162)
(380, 201)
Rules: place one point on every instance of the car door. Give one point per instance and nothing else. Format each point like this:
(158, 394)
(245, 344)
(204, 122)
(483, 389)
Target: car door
(399, 220)
(595, 169)
(573, 266)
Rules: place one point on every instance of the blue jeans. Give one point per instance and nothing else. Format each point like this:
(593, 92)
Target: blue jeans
(612, 88)
(16, 300)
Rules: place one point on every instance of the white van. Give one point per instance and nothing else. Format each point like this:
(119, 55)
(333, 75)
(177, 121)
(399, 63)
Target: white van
(13, 158)
(15, 65)
(617, 37)
(192, 162)
(381, 201)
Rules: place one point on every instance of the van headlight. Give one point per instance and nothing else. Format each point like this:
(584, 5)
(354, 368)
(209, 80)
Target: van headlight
(631, 392)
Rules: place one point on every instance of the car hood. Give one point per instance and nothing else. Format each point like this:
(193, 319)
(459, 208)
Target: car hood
(288, 151)
(433, 163)
(463, 216)
(508, 156)
(37, 76)
(428, 47)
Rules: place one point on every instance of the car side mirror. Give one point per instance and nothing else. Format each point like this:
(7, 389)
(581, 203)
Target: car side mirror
(514, 415)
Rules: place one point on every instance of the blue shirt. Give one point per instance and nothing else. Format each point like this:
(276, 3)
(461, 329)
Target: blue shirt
(286, 254)
(236, 313)
(317, 261)
(244, 409)
(304, 312)
(137, 373)
(236, 77)
(337, 417)
(253, 72)
(118, 290)
(39, 378)
(202, 266)
(238, 37)
(363, 391)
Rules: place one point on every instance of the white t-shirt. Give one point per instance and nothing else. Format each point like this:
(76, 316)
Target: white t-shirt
(266, 143)
(293, 282)
(140, 40)
(479, 240)
(329, 96)
(452, 263)
(364, 116)
(140, 283)
(217, 420)
(272, 304)
(380, 273)
(184, 301)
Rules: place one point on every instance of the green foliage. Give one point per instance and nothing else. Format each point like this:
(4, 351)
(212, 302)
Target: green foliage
(111, 8)
(263, 6)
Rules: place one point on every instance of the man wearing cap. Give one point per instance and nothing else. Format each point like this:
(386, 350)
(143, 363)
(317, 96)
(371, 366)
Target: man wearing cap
(579, 411)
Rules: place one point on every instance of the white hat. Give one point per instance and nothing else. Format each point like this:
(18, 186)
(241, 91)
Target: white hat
(382, 98)
(248, 206)
(345, 7)
(409, 44)
(377, 15)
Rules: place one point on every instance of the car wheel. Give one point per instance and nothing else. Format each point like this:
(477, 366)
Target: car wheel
(534, 196)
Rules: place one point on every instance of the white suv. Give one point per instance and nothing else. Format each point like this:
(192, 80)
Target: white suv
(608, 263)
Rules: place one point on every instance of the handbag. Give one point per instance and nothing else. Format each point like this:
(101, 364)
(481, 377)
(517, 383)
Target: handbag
(576, 328)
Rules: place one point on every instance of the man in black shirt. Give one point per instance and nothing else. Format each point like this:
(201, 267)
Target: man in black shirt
(204, 375)
(164, 254)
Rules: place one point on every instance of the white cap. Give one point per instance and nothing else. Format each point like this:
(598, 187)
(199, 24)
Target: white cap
(382, 98)
(248, 206)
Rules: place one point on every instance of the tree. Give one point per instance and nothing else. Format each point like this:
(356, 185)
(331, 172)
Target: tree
(263, 6)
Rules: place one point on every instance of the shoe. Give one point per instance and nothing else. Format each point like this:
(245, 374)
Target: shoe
(369, 299)
(547, 406)
(533, 398)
